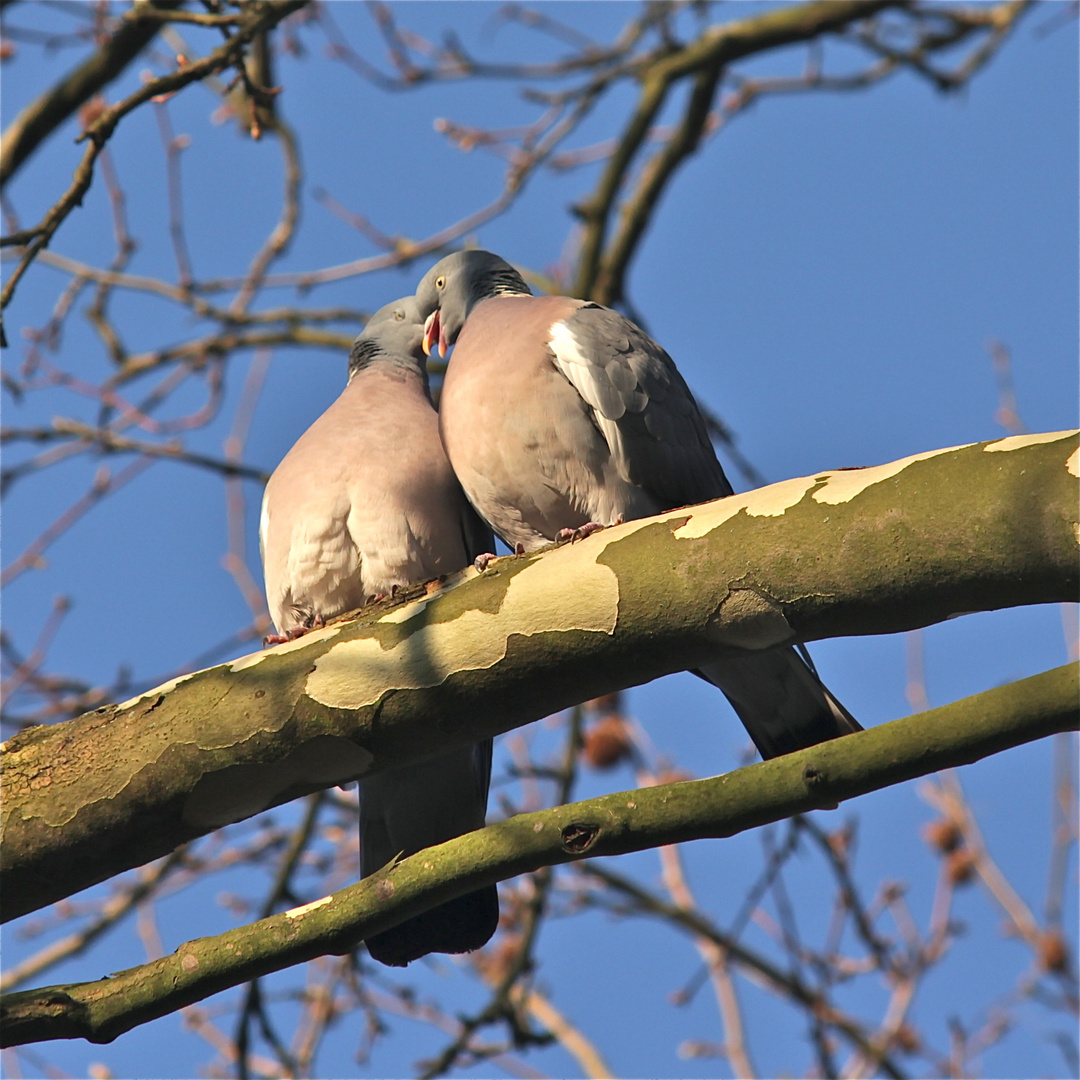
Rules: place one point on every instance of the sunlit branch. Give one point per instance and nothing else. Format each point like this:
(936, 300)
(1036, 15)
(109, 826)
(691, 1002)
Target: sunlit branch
(630, 821)
(63, 428)
(1003, 535)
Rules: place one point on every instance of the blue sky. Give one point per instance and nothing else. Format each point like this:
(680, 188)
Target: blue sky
(827, 273)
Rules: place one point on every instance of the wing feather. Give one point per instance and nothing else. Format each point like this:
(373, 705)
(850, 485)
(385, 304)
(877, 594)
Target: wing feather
(641, 405)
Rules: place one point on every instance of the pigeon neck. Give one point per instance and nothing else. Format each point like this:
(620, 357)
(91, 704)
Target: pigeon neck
(505, 281)
(367, 353)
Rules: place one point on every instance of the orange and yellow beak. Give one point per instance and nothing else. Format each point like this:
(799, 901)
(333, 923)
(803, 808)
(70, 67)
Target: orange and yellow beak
(433, 333)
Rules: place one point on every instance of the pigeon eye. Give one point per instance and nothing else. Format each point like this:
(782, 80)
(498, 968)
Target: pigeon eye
(440, 283)
(399, 315)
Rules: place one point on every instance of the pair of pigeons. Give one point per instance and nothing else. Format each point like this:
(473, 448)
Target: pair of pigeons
(557, 417)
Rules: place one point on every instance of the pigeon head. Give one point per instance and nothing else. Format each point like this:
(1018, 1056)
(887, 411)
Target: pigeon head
(395, 331)
(454, 285)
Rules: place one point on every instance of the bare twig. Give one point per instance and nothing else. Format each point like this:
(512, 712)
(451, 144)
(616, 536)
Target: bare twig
(39, 119)
(260, 17)
(104, 484)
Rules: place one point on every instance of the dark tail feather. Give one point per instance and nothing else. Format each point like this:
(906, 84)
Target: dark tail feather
(781, 702)
(405, 810)
(457, 926)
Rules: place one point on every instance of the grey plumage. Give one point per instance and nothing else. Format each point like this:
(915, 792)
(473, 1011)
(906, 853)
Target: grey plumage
(556, 413)
(366, 502)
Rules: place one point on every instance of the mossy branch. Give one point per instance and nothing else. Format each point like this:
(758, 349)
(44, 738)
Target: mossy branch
(722, 806)
(852, 552)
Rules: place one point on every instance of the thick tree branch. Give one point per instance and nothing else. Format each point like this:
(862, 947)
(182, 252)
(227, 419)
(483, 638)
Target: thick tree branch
(603, 262)
(719, 807)
(718, 46)
(860, 551)
(638, 209)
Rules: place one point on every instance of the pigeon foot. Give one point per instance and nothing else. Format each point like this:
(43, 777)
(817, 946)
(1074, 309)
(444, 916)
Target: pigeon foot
(573, 535)
(316, 622)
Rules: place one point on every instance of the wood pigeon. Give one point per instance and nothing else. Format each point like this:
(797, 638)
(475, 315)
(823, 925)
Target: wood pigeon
(364, 503)
(561, 416)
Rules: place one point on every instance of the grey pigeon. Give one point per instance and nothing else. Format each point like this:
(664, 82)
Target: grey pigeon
(560, 416)
(365, 503)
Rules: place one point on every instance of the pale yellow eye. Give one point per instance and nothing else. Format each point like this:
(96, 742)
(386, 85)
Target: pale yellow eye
(440, 283)
(399, 315)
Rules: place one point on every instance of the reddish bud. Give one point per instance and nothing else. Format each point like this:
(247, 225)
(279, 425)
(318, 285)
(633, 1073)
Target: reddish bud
(91, 110)
(606, 743)
(960, 866)
(1052, 952)
(943, 835)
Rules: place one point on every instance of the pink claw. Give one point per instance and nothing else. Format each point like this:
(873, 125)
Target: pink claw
(316, 622)
(580, 533)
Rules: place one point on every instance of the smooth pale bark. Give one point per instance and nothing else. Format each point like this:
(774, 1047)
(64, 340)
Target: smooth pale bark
(858, 551)
(614, 824)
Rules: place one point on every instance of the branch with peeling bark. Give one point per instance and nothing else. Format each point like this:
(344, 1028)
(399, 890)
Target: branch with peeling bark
(860, 551)
(719, 807)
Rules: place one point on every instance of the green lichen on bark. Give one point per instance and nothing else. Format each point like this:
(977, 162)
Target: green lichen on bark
(860, 551)
(721, 806)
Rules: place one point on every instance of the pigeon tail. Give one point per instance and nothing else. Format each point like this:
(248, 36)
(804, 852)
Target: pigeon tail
(458, 926)
(417, 806)
(782, 703)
